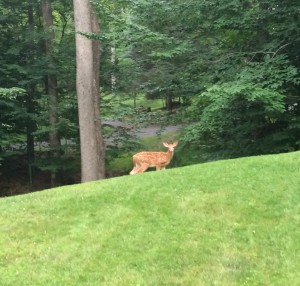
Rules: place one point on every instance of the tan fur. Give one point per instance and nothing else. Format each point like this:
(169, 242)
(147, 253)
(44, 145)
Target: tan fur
(143, 160)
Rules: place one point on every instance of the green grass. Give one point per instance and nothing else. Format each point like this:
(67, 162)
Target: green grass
(154, 104)
(234, 222)
(140, 101)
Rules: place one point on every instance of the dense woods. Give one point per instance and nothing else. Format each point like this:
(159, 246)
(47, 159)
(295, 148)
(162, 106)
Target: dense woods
(231, 65)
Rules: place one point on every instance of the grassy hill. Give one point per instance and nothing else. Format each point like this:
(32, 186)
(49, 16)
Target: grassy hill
(234, 222)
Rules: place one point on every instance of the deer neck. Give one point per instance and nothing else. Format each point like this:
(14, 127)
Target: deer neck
(170, 154)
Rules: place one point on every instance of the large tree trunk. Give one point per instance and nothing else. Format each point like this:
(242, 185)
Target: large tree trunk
(87, 85)
(51, 83)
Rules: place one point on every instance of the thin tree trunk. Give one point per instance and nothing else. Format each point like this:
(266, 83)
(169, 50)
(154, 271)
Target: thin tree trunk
(51, 83)
(30, 106)
(87, 85)
(169, 101)
(134, 100)
(113, 63)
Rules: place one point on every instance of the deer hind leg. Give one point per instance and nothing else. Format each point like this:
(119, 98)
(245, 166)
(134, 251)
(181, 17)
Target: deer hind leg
(135, 169)
(141, 169)
(136, 166)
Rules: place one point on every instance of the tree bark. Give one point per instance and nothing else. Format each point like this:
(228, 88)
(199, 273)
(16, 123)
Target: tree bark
(30, 106)
(169, 101)
(113, 63)
(96, 94)
(51, 83)
(87, 85)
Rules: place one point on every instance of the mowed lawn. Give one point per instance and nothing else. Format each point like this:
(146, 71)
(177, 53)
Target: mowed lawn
(233, 222)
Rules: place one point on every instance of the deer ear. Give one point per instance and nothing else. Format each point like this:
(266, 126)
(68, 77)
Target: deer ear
(175, 143)
(166, 144)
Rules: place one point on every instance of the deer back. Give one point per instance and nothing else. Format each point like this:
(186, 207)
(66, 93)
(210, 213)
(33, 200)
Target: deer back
(153, 158)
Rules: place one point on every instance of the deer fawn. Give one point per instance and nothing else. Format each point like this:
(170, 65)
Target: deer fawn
(143, 160)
